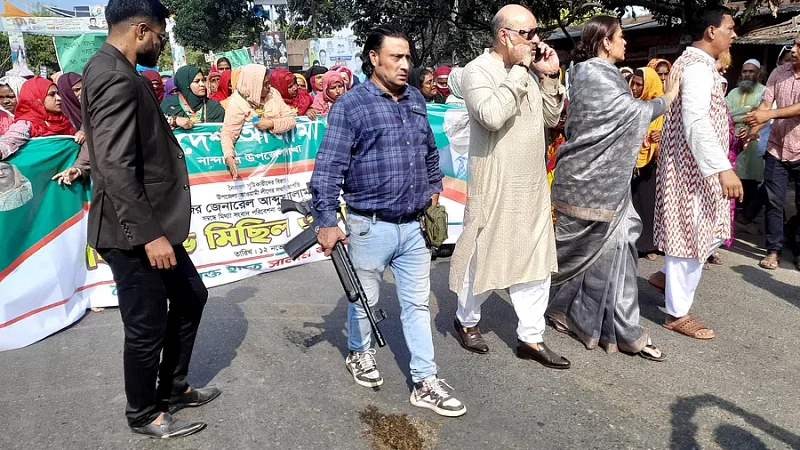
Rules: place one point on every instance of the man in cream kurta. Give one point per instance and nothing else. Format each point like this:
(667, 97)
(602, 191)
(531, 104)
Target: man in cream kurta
(508, 240)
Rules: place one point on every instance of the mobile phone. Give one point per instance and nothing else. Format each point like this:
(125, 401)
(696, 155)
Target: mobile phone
(538, 54)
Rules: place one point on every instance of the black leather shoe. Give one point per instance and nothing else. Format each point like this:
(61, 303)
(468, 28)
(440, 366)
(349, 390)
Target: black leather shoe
(470, 338)
(193, 398)
(170, 428)
(543, 356)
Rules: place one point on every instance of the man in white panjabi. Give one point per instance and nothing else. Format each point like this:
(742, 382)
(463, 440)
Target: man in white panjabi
(695, 177)
(508, 240)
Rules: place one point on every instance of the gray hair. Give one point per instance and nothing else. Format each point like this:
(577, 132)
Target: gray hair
(499, 22)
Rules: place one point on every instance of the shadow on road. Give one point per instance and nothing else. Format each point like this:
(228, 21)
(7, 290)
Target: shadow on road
(684, 430)
(497, 314)
(333, 327)
(221, 333)
(761, 278)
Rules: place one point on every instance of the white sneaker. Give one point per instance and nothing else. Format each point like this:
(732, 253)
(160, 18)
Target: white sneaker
(364, 368)
(432, 395)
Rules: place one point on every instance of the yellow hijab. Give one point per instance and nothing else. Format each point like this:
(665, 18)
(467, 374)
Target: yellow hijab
(234, 79)
(653, 88)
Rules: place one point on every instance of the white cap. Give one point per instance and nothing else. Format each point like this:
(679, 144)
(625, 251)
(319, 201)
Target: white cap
(753, 62)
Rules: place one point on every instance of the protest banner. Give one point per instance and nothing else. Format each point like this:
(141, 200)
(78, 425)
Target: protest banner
(49, 276)
(73, 52)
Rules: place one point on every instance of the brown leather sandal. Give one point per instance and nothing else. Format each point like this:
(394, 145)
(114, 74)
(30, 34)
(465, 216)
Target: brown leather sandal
(771, 262)
(689, 326)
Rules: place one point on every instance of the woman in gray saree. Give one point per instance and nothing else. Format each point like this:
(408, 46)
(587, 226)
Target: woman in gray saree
(596, 225)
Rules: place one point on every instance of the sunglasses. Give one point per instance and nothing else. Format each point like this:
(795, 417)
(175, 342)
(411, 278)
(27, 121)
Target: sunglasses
(528, 35)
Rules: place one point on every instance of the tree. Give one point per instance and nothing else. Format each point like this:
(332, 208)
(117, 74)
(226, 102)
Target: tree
(457, 30)
(193, 58)
(304, 19)
(210, 25)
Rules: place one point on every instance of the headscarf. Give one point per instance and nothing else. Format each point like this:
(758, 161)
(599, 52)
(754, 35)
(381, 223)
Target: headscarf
(251, 83)
(653, 64)
(224, 87)
(442, 71)
(15, 84)
(343, 69)
(322, 101)
(152, 75)
(313, 72)
(211, 75)
(183, 81)
(30, 107)
(21, 193)
(302, 78)
(235, 74)
(653, 88)
(454, 83)
(169, 86)
(280, 79)
(206, 110)
(70, 104)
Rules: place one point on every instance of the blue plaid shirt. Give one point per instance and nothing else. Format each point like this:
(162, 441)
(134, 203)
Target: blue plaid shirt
(380, 152)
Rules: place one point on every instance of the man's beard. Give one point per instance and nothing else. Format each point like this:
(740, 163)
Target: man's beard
(149, 58)
(747, 85)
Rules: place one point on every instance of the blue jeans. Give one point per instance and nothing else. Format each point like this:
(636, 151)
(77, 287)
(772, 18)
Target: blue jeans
(373, 246)
(777, 175)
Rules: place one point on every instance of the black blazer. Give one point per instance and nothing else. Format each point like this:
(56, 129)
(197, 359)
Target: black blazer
(140, 185)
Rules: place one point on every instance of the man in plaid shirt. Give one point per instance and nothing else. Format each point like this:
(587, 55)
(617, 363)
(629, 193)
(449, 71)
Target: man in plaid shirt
(379, 150)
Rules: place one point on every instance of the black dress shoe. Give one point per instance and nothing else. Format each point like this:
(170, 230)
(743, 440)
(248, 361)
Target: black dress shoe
(170, 428)
(193, 398)
(543, 356)
(470, 338)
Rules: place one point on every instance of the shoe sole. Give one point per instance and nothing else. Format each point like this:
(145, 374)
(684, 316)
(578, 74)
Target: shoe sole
(178, 434)
(369, 384)
(549, 366)
(439, 411)
(175, 408)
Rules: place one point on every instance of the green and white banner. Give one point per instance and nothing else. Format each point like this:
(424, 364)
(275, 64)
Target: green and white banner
(49, 276)
(73, 52)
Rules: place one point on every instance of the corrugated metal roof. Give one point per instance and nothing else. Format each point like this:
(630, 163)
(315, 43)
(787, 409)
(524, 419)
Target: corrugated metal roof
(781, 34)
(629, 23)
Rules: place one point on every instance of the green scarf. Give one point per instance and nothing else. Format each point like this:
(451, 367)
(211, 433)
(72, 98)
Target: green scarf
(183, 82)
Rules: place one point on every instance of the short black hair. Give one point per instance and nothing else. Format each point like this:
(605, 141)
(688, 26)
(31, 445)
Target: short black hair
(375, 42)
(119, 11)
(707, 16)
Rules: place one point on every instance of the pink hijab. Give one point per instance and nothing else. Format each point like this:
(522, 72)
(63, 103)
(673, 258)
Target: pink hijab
(251, 82)
(323, 101)
(343, 69)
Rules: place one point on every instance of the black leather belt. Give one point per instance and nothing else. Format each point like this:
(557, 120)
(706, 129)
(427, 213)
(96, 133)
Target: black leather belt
(413, 217)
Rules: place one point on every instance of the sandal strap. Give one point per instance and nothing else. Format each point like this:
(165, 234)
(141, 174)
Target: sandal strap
(690, 326)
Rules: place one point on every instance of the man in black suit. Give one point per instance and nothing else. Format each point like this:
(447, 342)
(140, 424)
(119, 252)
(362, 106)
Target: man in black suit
(139, 218)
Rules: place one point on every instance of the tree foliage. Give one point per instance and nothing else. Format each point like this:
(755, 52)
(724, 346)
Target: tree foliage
(304, 19)
(38, 48)
(213, 25)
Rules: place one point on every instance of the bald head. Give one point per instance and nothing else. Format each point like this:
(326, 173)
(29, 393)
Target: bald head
(514, 17)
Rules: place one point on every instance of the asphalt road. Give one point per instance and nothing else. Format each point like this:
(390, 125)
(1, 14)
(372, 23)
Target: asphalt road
(275, 345)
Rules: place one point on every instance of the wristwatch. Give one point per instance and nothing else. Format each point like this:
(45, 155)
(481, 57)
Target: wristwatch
(554, 75)
(522, 65)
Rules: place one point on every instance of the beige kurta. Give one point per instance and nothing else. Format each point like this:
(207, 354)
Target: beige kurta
(507, 221)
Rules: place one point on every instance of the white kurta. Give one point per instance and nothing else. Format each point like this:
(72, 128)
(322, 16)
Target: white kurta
(507, 221)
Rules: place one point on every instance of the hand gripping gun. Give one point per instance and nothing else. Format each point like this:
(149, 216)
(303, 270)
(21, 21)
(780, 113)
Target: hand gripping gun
(341, 261)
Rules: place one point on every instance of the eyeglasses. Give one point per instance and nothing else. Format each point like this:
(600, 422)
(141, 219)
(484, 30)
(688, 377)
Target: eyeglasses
(528, 35)
(162, 37)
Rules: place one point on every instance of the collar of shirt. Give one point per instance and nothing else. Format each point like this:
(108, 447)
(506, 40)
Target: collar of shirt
(701, 53)
(789, 69)
(375, 90)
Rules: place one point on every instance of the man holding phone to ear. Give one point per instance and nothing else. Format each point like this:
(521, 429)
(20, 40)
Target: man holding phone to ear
(508, 240)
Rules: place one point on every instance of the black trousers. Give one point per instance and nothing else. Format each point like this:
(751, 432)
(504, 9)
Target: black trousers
(777, 175)
(161, 310)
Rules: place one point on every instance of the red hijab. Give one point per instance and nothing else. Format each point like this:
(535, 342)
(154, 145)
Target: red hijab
(30, 107)
(280, 79)
(224, 87)
(152, 75)
(442, 71)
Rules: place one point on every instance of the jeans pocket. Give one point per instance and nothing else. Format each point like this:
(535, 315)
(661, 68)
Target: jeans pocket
(359, 226)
